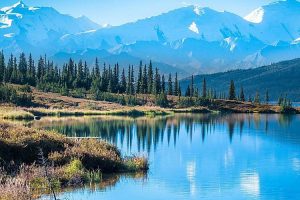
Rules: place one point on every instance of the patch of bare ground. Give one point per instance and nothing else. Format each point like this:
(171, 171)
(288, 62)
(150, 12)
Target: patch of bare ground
(57, 101)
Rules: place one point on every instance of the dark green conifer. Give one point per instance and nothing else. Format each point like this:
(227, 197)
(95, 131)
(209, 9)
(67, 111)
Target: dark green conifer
(232, 95)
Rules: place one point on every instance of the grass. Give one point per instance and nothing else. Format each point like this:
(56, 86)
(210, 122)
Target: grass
(14, 113)
(192, 110)
(140, 111)
(55, 105)
(20, 113)
(71, 162)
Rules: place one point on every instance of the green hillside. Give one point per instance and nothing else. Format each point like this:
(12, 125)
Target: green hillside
(280, 78)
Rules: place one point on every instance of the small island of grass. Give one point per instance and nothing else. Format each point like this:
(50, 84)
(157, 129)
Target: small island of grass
(35, 162)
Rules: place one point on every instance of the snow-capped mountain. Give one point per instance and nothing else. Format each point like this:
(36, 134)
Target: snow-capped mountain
(186, 22)
(278, 21)
(191, 38)
(23, 27)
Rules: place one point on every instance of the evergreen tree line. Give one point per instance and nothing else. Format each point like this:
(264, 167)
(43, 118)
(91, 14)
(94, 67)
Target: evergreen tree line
(78, 79)
(211, 94)
(78, 76)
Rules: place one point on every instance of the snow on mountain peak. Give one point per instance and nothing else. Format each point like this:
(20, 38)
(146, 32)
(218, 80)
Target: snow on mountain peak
(256, 16)
(37, 26)
(285, 7)
(279, 20)
(197, 10)
(16, 6)
(180, 34)
(19, 4)
(193, 27)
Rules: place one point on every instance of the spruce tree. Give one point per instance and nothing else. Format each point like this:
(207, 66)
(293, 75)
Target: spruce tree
(105, 79)
(150, 78)
(110, 80)
(196, 92)
(79, 76)
(116, 78)
(179, 91)
(144, 81)
(204, 93)
(128, 86)
(163, 84)
(97, 68)
(15, 73)
(257, 98)
(250, 99)
(132, 91)
(232, 95)
(192, 87)
(242, 95)
(9, 69)
(176, 85)
(40, 70)
(267, 98)
(280, 100)
(31, 71)
(22, 67)
(215, 94)
(139, 88)
(156, 83)
(87, 77)
(188, 91)
(123, 82)
(2, 67)
(170, 85)
(71, 73)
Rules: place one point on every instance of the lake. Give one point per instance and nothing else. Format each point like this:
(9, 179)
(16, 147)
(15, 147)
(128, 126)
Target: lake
(195, 156)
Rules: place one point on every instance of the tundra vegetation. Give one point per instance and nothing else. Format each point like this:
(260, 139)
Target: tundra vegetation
(35, 162)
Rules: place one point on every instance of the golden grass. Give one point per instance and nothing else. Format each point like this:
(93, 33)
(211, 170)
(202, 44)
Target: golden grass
(15, 113)
(74, 161)
(20, 113)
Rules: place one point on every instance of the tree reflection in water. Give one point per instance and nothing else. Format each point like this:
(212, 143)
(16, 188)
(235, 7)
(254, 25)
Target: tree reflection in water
(148, 132)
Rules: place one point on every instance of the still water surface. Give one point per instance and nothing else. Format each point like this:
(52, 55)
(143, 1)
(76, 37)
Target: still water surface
(211, 156)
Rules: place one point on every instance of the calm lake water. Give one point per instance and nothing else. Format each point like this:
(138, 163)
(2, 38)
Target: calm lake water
(211, 156)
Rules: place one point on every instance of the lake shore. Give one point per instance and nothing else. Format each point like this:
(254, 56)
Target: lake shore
(35, 162)
(54, 104)
(11, 112)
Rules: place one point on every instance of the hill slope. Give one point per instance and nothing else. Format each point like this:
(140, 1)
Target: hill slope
(279, 78)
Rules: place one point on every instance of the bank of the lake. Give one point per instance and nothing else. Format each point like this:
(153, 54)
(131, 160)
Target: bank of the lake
(35, 161)
(40, 104)
(194, 156)
(13, 112)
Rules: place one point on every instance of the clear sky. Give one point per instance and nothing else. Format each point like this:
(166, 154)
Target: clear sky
(116, 12)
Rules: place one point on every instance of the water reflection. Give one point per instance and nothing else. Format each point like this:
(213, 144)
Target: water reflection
(148, 133)
(203, 156)
(250, 183)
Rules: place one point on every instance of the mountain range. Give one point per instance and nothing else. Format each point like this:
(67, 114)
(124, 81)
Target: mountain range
(189, 39)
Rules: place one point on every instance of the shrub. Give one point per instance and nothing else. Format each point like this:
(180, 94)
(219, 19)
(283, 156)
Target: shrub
(74, 172)
(9, 94)
(162, 100)
(136, 164)
(186, 102)
(72, 162)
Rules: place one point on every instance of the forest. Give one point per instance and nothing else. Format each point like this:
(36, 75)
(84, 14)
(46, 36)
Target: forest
(109, 83)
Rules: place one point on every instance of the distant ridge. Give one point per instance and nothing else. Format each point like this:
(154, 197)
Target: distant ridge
(280, 78)
(192, 38)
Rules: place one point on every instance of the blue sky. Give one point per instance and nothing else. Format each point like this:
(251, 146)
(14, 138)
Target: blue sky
(116, 12)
